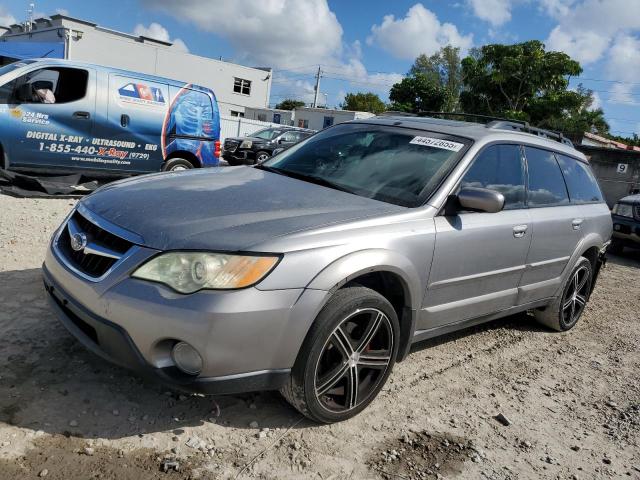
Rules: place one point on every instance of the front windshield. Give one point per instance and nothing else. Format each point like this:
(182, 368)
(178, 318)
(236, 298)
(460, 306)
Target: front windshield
(13, 66)
(266, 134)
(392, 164)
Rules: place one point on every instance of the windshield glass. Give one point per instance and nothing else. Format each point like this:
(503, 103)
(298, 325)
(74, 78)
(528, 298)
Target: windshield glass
(391, 164)
(13, 66)
(266, 134)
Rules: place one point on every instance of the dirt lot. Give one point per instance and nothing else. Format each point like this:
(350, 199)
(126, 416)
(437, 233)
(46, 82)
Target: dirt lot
(573, 399)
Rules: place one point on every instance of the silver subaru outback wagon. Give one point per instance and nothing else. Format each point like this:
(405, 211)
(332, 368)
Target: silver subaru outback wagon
(314, 272)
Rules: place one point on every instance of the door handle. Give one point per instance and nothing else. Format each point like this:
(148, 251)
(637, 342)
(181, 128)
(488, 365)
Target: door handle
(82, 115)
(577, 223)
(520, 230)
(124, 120)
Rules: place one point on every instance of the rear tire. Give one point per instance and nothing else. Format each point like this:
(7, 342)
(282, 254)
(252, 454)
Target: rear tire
(346, 358)
(565, 311)
(177, 165)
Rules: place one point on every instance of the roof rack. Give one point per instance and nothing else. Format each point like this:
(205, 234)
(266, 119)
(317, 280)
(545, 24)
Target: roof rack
(500, 123)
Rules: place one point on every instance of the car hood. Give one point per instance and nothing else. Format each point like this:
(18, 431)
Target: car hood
(231, 208)
(253, 139)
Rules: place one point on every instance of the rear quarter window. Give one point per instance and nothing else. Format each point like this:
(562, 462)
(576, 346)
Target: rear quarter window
(581, 182)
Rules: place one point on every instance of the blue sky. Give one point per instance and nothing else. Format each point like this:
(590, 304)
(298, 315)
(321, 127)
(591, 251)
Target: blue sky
(366, 45)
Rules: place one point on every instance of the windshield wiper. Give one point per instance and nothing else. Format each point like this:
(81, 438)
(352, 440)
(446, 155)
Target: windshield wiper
(306, 178)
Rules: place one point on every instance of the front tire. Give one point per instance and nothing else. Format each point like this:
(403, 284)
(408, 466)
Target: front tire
(262, 156)
(346, 358)
(567, 308)
(177, 165)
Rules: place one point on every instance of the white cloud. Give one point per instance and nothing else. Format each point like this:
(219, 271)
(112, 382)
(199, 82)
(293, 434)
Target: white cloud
(623, 65)
(597, 102)
(158, 32)
(62, 11)
(6, 18)
(587, 29)
(282, 33)
(496, 12)
(418, 32)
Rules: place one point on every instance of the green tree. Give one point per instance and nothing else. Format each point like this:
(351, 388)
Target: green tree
(572, 114)
(417, 92)
(289, 104)
(363, 102)
(444, 68)
(521, 81)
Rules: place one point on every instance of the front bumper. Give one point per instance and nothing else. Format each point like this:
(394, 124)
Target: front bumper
(248, 339)
(626, 231)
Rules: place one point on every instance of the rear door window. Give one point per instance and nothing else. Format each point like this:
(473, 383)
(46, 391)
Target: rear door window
(582, 184)
(546, 185)
(499, 168)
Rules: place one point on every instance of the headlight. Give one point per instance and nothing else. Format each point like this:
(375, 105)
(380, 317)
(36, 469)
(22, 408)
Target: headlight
(246, 144)
(623, 209)
(188, 272)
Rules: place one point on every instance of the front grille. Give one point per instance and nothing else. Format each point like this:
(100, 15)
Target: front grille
(636, 212)
(89, 263)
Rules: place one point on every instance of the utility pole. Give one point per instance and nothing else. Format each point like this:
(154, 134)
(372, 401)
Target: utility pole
(317, 87)
(30, 11)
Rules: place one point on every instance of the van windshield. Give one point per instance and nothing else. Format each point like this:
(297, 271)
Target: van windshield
(394, 165)
(14, 66)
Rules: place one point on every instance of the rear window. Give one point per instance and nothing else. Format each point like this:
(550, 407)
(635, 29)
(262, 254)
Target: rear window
(582, 184)
(546, 185)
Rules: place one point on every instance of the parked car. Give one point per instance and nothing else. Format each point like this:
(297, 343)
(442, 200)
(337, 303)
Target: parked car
(316, 271)
(259, 146)
(64, 116)
(626, 224)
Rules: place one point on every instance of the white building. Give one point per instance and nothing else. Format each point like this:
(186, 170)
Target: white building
(305, 117)
(236, 87)
(319, 118)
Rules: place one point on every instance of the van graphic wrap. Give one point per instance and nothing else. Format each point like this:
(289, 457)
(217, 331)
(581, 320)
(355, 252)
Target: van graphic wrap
(192, 124)
(99, 118)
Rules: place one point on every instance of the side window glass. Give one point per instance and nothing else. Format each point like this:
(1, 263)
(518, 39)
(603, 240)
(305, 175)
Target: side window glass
(582, 184)
(7, 92)
(52, 86)
(289, 137)
(499, 168)
(546, 185)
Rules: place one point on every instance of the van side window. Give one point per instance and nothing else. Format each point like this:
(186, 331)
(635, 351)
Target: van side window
(52, 86)
(546, 185)
(582, 184)
(499, 168)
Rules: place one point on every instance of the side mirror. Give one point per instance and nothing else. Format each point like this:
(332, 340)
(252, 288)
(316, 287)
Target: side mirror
(481, 199)
(280, 141)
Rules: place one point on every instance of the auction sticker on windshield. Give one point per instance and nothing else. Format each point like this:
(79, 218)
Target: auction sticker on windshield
(437, 143)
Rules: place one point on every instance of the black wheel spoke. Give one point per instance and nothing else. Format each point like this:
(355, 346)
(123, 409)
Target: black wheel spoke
(372, 329)
(331, 379)
(374, 359)
(342, 341)
(352, 387)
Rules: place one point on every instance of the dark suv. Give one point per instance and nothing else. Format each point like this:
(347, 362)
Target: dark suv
(259, 146)
(626, 223)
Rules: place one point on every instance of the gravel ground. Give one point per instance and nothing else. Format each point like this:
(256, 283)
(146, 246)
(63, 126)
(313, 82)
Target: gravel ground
(572, 400)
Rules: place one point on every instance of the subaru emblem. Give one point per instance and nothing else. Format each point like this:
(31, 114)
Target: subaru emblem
(78, 241)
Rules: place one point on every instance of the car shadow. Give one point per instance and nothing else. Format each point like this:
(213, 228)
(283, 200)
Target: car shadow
(627, 258)
(49, 382)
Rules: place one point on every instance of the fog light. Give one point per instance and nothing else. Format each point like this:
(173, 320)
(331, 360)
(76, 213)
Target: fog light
(616, 227)
(187, 358)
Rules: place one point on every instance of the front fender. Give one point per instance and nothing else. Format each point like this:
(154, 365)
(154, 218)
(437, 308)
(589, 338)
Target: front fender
(351, 266)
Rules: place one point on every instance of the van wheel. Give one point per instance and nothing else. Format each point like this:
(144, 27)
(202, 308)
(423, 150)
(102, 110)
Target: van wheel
(177, 165)
(262, 157)
(566, 309)
(346, 358)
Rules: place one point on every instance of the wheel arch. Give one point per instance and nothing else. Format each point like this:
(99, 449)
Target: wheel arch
(389, 273)
(186, 155)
